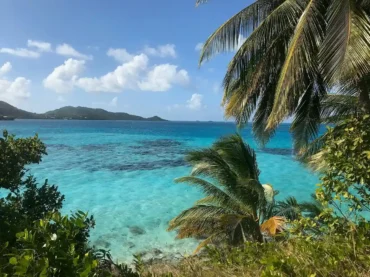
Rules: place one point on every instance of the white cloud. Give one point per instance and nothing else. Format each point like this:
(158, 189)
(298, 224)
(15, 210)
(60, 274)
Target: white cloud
(39, 45)
(134, 74)
(199, 46)
(20, 52)
(64, 77)
(123, 77)
(68, 51)
(6, 67)
(12, 91)
(120, 55)
(162, 51)
(162, 77)
(195, 102)
(114, 102)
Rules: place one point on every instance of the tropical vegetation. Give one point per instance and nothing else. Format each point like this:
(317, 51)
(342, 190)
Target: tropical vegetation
(236, 208)
(308, 59)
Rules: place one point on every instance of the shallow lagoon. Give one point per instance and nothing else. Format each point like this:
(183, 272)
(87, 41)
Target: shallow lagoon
(122, 172)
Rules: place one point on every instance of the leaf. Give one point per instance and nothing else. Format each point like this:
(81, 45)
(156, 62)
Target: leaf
(13, 261)
(273, 225)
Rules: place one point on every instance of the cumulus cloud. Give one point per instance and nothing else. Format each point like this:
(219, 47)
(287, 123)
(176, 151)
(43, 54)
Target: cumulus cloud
(12, 91)
(5, 68)
(162, 77)
(64, 77)
(20, 52)
(125, 76)
(195, 102)
(120, 54)
(199, 46)
(133, 74)
(68, 51)
(162, 51)
(41, 46)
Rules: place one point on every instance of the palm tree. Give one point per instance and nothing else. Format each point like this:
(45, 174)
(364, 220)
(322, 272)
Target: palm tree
(294, 53)
(237, 207)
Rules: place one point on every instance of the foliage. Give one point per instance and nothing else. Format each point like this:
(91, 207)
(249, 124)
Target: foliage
(294, 52)
(51, 247)
(344, 162)
(15, 155)
(236, 203)
(18, 211)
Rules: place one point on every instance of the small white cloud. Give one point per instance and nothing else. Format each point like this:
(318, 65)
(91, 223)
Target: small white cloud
(64, 77)
(162, 51)
(199, 46)
(114, 102)
(5, 68)
(20, 52)
(39, 45)
(120, 55)
(162, 77)
(68, 51)
(195, 102)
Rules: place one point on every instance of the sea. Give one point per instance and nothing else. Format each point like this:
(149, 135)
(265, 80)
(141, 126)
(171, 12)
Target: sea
(122, 173)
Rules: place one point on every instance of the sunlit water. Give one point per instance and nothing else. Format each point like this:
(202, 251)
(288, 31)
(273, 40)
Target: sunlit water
(122, 173)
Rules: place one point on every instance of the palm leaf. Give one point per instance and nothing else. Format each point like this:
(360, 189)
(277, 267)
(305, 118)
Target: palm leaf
(300, 67)
(227, 37)
(273, 225)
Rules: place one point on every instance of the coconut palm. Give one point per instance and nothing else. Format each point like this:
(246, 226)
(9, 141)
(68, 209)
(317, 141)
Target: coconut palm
(237, 207)
(294, 53)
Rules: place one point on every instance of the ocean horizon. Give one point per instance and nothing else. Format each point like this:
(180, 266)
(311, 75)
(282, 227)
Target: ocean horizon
(122, 173)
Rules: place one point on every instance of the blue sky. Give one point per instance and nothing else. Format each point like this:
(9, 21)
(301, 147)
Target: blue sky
(135, 56)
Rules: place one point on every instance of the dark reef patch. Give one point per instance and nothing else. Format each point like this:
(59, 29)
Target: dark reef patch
(63, 147)
(150, 165)
(278, 151)
(136, 230)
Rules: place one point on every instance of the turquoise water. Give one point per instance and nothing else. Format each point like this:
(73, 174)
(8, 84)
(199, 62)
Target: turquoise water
(122, 172)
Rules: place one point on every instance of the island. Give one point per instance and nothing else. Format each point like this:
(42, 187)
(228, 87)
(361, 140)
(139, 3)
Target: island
(9, 112)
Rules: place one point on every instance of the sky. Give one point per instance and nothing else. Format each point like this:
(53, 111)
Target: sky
(134, 56)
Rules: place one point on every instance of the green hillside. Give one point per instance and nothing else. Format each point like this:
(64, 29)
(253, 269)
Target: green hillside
(69, 112)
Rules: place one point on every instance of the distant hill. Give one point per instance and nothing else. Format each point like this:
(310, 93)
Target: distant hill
(70, 112)
(11, 111)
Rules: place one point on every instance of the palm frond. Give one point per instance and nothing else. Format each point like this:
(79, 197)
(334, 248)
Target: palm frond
(300, 67)
(209, 162)
(239, 156)
(227, 37)
(198, 215)
(279, 23)
(215, 195)
(336, 107)
(289, 208)
(345, 51)
(306, 123)
(274, 225)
